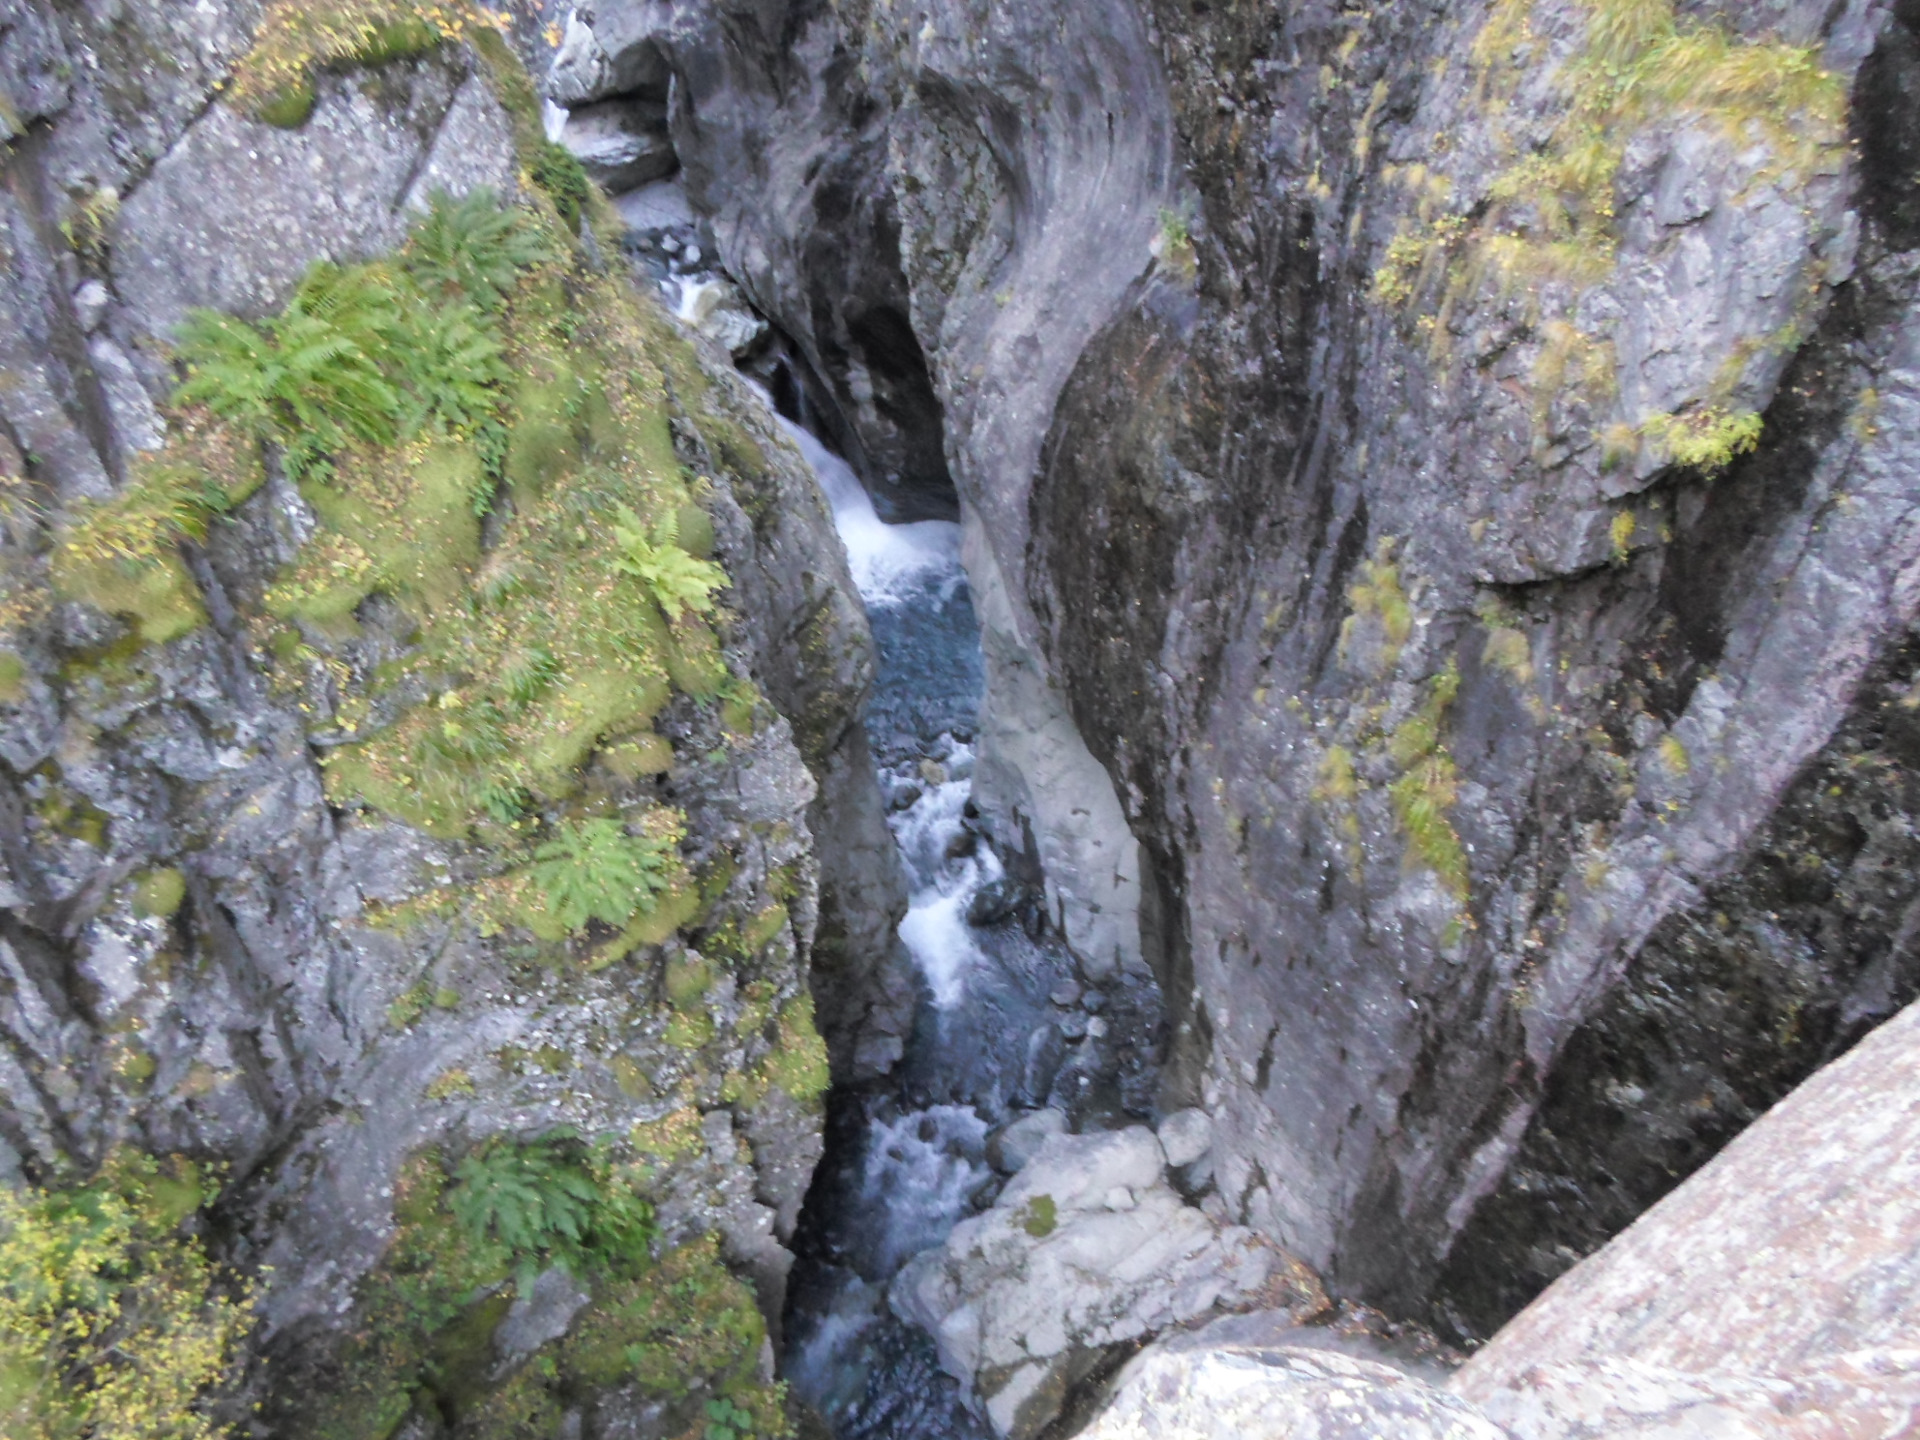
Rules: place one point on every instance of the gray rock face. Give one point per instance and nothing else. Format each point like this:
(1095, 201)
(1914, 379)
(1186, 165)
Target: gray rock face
(1776, 1287)
(1454, 708)
(234, 213)
(1087, 1248)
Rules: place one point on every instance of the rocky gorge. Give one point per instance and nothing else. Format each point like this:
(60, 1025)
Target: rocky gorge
(951, 718)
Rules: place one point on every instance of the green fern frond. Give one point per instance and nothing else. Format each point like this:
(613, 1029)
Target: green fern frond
(552, 1201)
(472, 247)
(677, 581)
(594, 870)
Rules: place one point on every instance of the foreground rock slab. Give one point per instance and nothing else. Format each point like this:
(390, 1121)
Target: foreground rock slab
(1777, 1292)
(1281, 1393)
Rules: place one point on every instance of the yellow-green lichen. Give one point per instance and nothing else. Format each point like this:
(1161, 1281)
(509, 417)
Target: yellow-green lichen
(159, 893)
(1428, 788)
(1378, 597)
(1546, 227)
(798, 1061)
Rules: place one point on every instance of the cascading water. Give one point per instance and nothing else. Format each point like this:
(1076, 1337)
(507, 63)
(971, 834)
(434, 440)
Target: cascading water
(1001, 1025)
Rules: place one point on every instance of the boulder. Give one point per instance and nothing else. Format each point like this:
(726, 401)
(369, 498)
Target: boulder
(1087, 1248)
(1186, 1136)
(1009, 1148)
(622, 144)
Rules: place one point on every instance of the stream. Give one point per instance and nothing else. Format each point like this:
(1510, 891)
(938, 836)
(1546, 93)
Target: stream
(1003, 1024)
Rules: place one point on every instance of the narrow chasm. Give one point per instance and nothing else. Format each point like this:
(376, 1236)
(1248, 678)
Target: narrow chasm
(1004, 1027)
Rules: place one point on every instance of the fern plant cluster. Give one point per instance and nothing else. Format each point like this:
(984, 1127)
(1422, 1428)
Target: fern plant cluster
(374, 354)
(678, 1328)
(554, 1201)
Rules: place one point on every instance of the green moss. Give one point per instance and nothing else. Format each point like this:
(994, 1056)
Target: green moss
(159, 892)
(1707, 440)
(798, 1062)
(67, 812)
(452, 1084)
(1507, 649)
(557, 171)
(689, 978)
(765, 926)
(684, 1324)
(409, 1006)
(1548, 227)
(297, 38)
(1425, 794)
(289, 107)
(1673, 755)
(1039, 1216)
(1379, 596)
(13, 678)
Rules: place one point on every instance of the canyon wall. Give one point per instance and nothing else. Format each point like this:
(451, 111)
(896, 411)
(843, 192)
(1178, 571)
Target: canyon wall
(383, 835)
(1450, 469)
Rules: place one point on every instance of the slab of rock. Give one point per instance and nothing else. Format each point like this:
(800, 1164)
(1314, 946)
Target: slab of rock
(1281, 1393)
(1780, 1284)
(1186, 1136)
(622, 144)
(1086, 1248)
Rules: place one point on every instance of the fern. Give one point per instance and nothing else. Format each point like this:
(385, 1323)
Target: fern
(453, 370)
(532, 1199)
(472, 247)
(553, 1201)
(594, 870)
(307, 378)
(677, 581)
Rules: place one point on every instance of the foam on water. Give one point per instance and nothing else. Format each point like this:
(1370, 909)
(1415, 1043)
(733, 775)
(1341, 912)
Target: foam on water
(891, 564)
(935, 928)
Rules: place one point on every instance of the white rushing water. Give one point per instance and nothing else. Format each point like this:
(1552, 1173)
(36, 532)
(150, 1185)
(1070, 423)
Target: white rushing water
(935, 928)
(891, 564)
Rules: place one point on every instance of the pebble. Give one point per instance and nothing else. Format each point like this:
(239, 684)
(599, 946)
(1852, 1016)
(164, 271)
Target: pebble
(1075, 1028)
(1066, 994)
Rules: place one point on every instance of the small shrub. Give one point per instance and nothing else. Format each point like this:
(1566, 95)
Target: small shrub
(557, 171)
(114, 1324)
(727, 1421)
